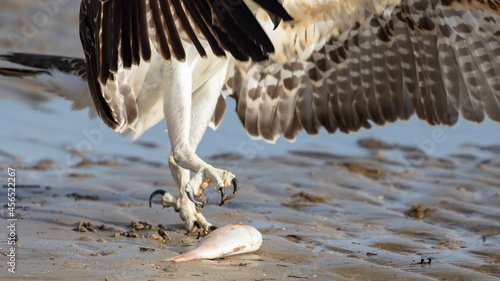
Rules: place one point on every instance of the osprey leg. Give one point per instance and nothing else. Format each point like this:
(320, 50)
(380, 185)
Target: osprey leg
(188, 112)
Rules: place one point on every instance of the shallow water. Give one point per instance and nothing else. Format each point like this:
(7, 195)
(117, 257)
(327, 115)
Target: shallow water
(328, 207)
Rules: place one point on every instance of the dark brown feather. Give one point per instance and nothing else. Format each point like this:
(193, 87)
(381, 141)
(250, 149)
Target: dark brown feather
(142, 27)
(161, 33)
(173, 38)
(90, 22)
(105, 39)
(127, 44)
(186, 25)
(117, 10)
(134, 37)
(197, 16)
(44, 63)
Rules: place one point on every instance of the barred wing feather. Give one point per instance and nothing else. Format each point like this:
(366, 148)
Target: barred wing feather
(344, 65)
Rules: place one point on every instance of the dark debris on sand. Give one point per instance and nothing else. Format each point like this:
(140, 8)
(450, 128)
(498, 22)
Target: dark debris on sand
(139, 229)
(373, 143)
(301, 199)
(146, 250)
(84, 226)
(423, 262)
(419, 211)
(83, 197)
(371, 173)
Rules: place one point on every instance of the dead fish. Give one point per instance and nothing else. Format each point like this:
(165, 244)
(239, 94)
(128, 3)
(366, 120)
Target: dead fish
(229, 240)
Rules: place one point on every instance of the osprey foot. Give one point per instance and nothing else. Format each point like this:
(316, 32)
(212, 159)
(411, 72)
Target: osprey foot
(204, 177)
(194, 220)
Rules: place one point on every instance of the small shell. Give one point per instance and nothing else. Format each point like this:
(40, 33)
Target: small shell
(228, 240)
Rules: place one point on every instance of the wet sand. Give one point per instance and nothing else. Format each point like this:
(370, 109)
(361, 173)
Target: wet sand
(325, 214)
(322, 216)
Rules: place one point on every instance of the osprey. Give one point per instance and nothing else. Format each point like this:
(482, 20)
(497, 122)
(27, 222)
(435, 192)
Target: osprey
(291, 66)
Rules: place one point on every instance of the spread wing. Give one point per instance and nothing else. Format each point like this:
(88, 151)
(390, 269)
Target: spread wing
(118, 34)
(344, 63)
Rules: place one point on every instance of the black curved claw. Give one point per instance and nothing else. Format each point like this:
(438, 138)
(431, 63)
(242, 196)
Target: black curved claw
(223, 197)
(198, 225)
(156, 192)
(196, 202)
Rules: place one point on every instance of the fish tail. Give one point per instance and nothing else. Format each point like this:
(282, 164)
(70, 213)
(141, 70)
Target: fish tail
(184, 257)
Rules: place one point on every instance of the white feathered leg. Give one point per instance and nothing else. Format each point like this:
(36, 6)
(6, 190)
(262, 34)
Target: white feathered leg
(187, 113)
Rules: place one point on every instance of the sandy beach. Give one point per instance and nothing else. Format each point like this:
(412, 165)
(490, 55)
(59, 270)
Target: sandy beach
(402, 202)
